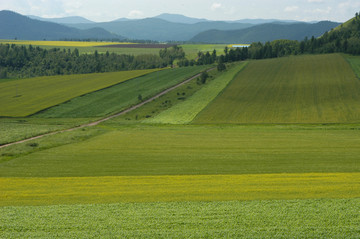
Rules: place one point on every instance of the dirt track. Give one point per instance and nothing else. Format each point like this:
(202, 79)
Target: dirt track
(109, 117)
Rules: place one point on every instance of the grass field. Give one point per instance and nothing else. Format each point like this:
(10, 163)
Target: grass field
(15, 129)
(354, 61)
(121, 96)
(186, 111)
(301, 89)
(61, 43)
(83, 190)
(191, 50)
(196, 150)
(23, 97)
(230, 174)
(325, 218)
(164, 102)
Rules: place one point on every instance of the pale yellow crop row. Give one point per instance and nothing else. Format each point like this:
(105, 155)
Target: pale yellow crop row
(112, 189)
(61, 43)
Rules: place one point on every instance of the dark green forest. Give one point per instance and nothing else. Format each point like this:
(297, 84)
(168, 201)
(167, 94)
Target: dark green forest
(22, 61)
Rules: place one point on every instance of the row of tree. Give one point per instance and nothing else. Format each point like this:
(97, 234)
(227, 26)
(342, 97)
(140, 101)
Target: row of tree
(345, 39)
(21, 61)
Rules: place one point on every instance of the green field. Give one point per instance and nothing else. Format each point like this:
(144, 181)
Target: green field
(191, 50)
(273, 152)
(14, 129)
(121, 96)
(355, 64)
(24, 97)
(325, 218)
(186, 111)
(197, 150)
(297, 89)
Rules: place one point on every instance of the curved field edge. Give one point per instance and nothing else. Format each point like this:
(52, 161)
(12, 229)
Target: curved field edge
(291, 90)
(186, 111)
(73, 190)
(20, 98)
(315, 218)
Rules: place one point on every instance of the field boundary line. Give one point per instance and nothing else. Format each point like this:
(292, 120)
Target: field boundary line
(111, 116)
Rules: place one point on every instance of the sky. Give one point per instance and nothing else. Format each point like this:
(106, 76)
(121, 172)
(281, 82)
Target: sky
(108, 10)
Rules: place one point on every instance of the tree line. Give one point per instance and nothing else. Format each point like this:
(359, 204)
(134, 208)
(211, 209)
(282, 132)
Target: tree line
(22, 61)
(345, 39)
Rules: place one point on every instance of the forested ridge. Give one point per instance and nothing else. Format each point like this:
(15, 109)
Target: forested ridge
(343, 39)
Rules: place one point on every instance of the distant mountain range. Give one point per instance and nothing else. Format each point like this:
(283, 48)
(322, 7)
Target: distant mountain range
(177, 18)
(165, 27)
(157, 29)
(63, 20)
(266, 32)
(16, 26)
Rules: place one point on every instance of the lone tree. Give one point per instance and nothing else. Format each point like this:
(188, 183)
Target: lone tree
(221, 66)
(203, 77)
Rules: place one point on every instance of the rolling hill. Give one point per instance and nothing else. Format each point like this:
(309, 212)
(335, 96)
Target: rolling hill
(266, 32)
(16, 26)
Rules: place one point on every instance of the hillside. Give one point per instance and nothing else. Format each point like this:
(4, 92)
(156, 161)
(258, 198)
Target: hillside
(160, 30)
(266, 32)
(344, 38)
(16, 26)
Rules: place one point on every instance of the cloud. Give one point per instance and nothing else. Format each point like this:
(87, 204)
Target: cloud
(135, 14)
(291, 8)
(320, 11)
(315, 1)
(215, 6)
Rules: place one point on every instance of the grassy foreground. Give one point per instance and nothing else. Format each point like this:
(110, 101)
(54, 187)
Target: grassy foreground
(297, 89)
(325, 218)
(19, 98)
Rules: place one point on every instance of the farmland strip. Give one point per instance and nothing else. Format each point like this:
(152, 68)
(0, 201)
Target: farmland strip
(73, 190)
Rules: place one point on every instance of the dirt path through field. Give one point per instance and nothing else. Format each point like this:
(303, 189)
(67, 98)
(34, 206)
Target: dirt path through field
(109, 117)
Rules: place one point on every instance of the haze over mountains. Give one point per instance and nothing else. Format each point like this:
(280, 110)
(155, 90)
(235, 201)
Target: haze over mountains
(16, 26)
(165, 27)
(266, 32)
